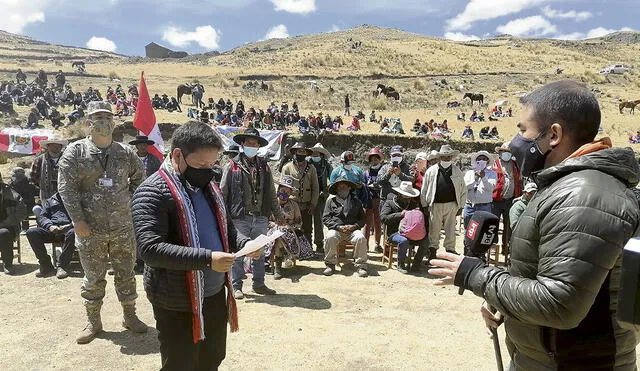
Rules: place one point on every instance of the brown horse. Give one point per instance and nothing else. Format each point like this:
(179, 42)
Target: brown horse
(184, 89)
(474, 97)
(629, 104)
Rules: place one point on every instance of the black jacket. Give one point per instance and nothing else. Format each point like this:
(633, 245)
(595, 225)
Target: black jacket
(53, 213)
(391, 213)
(384, 177)
(559, 294)
(159, 236)
(334, 218)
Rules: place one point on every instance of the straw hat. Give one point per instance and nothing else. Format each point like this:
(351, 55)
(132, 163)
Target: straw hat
(475, 156)
(446, 150)
(54, 139)
(406, 188)
(320, 148)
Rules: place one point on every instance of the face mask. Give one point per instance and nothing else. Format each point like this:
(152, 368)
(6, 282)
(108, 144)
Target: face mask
(347, 167)
(376, 167)
(343, 193)
(316, 159)
(396, 159)
(446, 164)
(528, 155)
(506, 156)
(301, 158)
(102, 128)
(198, 178)
(250, 152)
(283, 196)
(480, 165)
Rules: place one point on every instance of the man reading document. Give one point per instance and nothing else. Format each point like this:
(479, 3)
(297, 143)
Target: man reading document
(187, 239)
(558, 296)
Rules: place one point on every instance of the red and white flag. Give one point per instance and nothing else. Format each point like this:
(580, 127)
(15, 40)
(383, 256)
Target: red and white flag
(145, 120)
(24, 141)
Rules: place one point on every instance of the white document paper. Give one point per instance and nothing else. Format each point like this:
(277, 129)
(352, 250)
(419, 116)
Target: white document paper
(258, 243)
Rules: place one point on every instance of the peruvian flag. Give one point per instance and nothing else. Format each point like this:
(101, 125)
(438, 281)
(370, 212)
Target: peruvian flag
(145, 120)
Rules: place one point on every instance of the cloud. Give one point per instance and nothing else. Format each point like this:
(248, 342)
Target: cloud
(601, 31)
(481, 10)
(101, 43)
(295, 6)
(530, 26)
(459, 36)
(277, 32)
(572, 14)
(18, 14)
(205, 36)
(592, 34)
(334, 28)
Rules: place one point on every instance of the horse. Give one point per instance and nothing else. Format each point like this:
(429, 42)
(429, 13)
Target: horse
(264, 86)
(453, 104)
(474, 97)
(393, 94)
(184, 89)
(629, 104)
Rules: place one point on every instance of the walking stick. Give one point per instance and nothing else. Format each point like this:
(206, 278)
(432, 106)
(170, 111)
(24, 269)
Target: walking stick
(496, 348)
(496, 343)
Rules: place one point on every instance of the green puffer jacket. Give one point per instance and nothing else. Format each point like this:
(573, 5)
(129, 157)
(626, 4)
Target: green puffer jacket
(559, 294)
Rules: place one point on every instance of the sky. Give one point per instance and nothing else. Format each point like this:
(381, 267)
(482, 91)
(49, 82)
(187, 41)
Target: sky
(198, 26)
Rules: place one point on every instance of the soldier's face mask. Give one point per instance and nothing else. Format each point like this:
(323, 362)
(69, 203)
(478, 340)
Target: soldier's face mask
(102, 126)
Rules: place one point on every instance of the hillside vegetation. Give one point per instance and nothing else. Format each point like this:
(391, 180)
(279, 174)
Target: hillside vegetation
(428, 72)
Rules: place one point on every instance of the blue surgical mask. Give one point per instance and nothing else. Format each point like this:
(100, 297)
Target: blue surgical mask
(316, 159)
(250, 152)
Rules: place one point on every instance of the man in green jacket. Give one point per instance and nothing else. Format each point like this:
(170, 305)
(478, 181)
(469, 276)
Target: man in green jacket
(558, 297)
(520, 203)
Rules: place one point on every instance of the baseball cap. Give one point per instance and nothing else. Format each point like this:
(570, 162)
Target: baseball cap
(97, 107)
(530, 187)
(397, 149)
(421, 156)
(347, 157)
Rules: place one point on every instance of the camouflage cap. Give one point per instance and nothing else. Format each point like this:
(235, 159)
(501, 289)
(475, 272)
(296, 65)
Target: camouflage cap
(97, 107)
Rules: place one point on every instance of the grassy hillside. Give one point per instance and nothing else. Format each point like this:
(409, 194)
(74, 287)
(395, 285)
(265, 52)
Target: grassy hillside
(428, 72)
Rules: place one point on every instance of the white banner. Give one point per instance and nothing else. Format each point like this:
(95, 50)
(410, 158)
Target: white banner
(25, 141)
(271, 151)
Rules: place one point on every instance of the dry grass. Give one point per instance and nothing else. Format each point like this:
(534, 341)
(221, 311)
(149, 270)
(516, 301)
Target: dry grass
(500, 69)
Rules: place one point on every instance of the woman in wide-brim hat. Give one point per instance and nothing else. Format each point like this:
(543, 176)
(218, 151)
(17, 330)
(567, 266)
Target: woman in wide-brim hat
(332, 187)
(320, 149)
(288, 247)
(250, 133)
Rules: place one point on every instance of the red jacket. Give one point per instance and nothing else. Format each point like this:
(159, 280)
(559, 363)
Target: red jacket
(517, 181)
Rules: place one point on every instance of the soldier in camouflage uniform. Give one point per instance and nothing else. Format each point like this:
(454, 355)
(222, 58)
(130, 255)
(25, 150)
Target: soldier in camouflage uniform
(96, 179)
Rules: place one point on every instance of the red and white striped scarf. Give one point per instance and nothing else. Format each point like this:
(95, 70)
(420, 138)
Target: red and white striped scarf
(189, 233)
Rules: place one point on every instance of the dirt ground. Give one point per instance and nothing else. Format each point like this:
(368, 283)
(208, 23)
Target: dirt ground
(387, 321)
